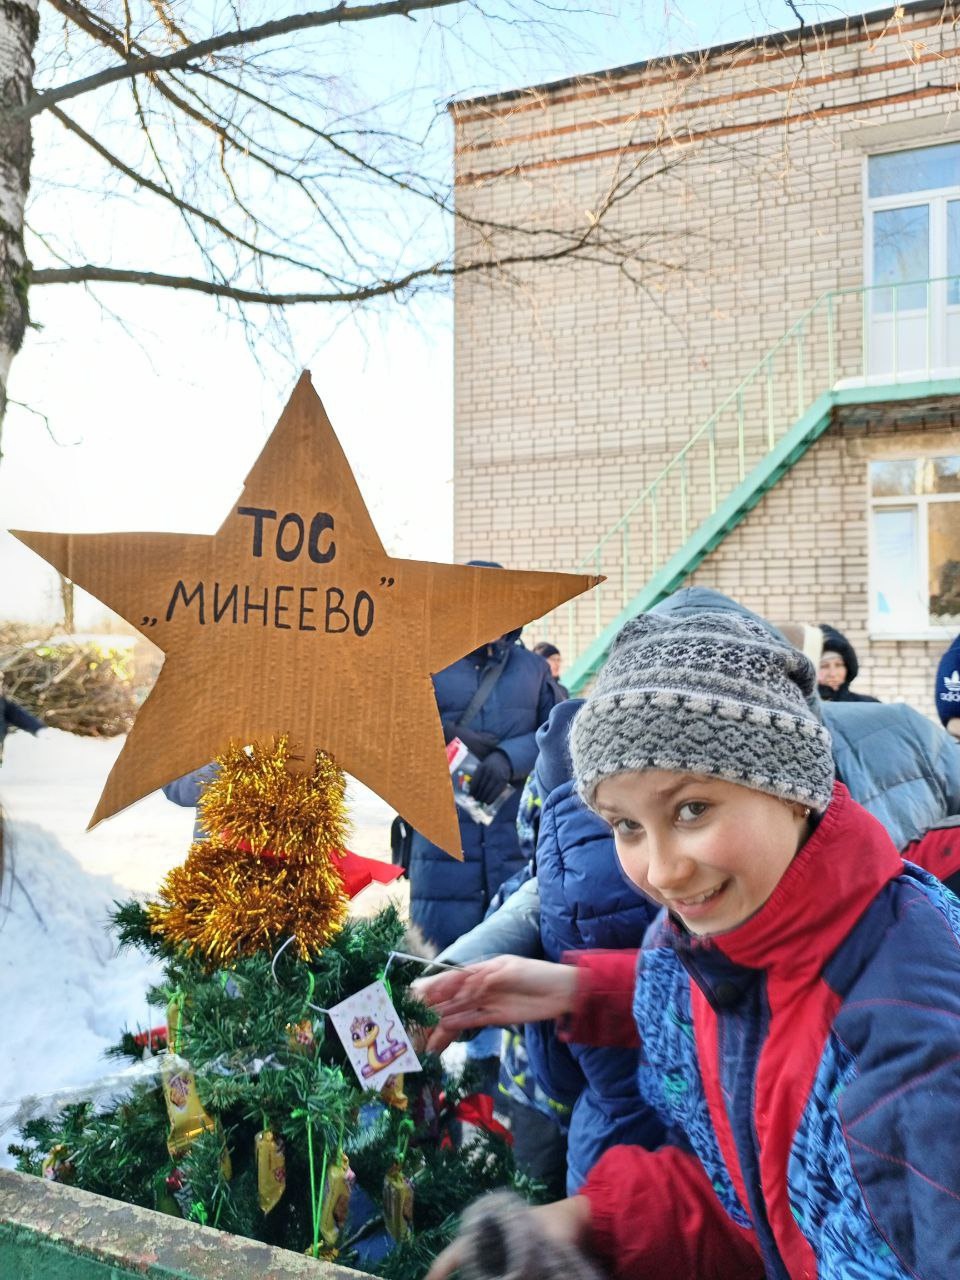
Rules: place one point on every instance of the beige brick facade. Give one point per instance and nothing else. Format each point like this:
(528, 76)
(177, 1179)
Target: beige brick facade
(575, 384)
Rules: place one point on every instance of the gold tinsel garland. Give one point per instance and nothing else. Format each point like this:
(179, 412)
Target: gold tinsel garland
(268, 870)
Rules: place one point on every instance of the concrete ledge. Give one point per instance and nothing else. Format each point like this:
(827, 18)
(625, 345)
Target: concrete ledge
(53, 1232)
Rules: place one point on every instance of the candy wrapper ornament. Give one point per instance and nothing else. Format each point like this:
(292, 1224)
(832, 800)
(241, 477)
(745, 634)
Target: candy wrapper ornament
(271, 1169)
(165, 1188)
(187, 1116)
(300, 1037)
(428, 1111)
(336, 1200)
(56, 1167)
(397, 1203)
(392, 1093)
(174, 1014)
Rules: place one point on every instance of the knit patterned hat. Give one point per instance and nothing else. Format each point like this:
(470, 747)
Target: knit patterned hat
(710, 693)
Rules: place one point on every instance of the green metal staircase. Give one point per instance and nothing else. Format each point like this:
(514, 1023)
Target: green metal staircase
(853, 346)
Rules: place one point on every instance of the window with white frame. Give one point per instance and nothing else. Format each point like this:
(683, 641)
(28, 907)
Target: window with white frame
(913, 236)
(915, 544)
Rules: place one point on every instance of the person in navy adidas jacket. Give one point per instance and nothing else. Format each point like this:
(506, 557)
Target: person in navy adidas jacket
(796, 1005)
(947, 689)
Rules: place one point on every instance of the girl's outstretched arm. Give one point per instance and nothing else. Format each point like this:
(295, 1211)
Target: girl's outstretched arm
(497, 993)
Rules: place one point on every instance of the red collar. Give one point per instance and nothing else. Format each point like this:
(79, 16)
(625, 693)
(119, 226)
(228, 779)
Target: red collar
(824, 891)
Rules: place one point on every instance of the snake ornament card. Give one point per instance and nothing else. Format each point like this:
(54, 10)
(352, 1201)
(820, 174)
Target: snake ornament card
(373, 1036)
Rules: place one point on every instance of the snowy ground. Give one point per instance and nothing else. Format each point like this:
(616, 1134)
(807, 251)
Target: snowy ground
(65, 994)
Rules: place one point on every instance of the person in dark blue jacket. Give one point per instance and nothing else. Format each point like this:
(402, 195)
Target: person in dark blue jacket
(947, 689)
(493, 700)
(447, 898)
(585, 903)
(13, 716)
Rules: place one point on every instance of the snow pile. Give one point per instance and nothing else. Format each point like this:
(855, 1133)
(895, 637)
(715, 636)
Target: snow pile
(67, 994)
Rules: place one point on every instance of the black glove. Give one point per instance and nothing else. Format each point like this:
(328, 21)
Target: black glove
(493, 775)
(481, 744)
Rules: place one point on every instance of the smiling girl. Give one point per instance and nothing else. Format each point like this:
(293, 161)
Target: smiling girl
(796, 1004)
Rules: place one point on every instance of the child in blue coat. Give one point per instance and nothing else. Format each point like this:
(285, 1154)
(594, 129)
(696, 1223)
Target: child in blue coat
(796, 1005)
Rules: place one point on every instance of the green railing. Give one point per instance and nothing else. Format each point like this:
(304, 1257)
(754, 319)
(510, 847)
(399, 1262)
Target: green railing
(882, 334)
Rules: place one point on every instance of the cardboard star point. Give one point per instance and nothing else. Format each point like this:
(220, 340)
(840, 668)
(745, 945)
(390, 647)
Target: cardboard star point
(293, 619)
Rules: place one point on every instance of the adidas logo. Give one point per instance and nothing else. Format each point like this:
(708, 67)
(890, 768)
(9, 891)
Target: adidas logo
(951, 685)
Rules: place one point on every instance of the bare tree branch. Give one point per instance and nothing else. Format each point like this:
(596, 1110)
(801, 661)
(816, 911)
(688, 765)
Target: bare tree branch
(184, 206)
(111, 275)
(340, 13)
(89, 274)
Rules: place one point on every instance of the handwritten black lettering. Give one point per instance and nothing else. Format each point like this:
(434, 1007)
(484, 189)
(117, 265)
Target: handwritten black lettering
(363, 603)
(231, 599)
(259, 514)
(321, 523)
(284, 606)
(180, 590)
(335, 608)
(278, 608)
(304, 610)
(289, 553)
(249, 607)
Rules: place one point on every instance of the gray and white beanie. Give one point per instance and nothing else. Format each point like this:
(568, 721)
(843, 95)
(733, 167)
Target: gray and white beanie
(710, 693)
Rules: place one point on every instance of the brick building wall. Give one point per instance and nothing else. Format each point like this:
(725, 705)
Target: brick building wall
(575, 385)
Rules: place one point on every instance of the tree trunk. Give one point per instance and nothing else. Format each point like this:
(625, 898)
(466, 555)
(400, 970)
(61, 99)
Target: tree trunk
(18, 34)
(67, 599)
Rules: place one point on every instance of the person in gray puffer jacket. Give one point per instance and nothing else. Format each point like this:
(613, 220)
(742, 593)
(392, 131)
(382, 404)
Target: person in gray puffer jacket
(186, 792)
(899, 765)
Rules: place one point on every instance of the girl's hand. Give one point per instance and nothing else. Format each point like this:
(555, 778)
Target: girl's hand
(496, 993)
(565, 1221)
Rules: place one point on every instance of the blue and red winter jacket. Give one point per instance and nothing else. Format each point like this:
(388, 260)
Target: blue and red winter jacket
(808, 1062)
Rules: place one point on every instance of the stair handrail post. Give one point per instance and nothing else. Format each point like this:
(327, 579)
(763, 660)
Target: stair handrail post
(800, 339)
(741, 447)
(831, 341)
(596, 590)
(625, 563)
(712, 458)
(654, 530)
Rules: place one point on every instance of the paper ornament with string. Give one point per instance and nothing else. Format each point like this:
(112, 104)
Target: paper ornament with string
(370, 1030)
(292, 619)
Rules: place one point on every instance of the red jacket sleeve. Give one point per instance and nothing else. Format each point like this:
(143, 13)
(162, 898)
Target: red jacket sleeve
(937, 852)
(654, 1213)
(603, 1013)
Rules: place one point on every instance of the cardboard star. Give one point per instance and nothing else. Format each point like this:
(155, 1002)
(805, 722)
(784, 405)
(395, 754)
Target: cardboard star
(292, 618)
